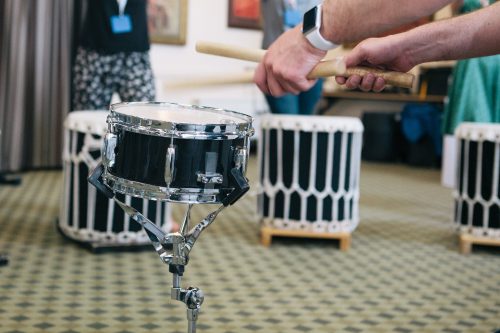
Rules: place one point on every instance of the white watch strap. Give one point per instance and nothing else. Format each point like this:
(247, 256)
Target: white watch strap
(315, 38)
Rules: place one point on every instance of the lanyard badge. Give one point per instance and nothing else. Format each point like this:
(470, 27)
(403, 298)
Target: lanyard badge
(121, 23)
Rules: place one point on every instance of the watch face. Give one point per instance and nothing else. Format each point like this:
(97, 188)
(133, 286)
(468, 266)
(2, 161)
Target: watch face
(309, 20)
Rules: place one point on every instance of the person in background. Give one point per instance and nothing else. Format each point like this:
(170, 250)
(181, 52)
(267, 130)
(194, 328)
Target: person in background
(475, 86)
(277, 17)
(292, 56)
(113, 55)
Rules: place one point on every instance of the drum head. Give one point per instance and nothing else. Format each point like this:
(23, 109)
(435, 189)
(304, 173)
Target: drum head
(478, 131)
(311, 123)
(183, 121)
(91, 121)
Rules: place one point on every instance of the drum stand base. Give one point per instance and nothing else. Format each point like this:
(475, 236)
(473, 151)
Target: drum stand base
(266, 234)
(6, 179)
(467, 240)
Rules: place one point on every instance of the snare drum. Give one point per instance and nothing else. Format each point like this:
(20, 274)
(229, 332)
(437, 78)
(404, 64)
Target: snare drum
(477, 189)
(173, 152)
(86, 215)
(309, 172)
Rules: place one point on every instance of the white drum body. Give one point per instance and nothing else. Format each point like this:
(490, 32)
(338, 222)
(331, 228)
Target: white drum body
(477, 189)
(309, 172)
(86, 215)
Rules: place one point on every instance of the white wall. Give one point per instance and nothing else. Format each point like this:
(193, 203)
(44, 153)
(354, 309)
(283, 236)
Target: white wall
(207, 20)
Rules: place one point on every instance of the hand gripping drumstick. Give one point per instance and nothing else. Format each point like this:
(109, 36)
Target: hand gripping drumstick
(323, 69)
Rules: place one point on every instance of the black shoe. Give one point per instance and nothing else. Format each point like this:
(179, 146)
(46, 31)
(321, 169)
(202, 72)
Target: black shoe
(9, 179)
(3, 260)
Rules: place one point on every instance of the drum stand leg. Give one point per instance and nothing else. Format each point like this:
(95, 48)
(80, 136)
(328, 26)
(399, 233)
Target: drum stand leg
(174, 248)
(192, 297)
(180, 243)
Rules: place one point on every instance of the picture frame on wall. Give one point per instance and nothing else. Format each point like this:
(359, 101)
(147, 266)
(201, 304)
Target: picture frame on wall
(244, 14)
(167, 21)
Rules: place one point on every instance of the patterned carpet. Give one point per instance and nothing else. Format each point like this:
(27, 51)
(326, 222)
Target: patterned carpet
(403, 273)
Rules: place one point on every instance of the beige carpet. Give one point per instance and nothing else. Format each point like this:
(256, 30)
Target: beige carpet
(402, 274)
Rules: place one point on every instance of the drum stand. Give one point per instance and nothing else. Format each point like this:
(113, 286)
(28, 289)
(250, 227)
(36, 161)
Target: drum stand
(174, 248)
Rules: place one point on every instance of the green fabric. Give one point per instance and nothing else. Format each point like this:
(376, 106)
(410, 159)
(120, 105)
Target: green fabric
(474, 94)
(470, 6)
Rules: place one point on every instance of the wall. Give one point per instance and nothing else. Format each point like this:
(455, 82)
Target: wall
(174, 65)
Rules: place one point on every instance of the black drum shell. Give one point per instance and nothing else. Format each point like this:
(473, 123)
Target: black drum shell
(142, 158)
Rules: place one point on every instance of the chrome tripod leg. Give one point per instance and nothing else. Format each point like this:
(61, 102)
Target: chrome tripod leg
(192, 316)
(187, 218)
(192, 297)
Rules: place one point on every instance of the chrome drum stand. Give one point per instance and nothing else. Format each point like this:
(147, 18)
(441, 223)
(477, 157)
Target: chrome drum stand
(174, 248)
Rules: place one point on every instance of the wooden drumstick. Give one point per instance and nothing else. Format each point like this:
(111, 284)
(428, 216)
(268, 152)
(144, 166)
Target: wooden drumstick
(324, 69)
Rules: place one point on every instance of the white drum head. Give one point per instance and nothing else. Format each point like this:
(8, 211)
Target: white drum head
(312, 123)
(478, 131)
(182, 121)
(88, 121)
(180, 114)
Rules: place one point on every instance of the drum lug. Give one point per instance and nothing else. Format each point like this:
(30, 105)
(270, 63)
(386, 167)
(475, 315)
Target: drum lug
(240, 159)
(169, 165)
(108, 151)
(209, 178)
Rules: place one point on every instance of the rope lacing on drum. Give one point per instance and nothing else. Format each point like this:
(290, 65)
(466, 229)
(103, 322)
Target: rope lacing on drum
(351, 216)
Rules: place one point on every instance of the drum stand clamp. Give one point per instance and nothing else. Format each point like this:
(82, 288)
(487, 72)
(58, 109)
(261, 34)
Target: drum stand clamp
(174, 248)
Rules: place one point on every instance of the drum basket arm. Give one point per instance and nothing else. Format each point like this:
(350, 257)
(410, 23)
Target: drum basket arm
(241, 187)
(95, 179)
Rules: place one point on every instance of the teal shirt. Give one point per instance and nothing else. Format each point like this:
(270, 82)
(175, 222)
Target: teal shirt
(474, 93)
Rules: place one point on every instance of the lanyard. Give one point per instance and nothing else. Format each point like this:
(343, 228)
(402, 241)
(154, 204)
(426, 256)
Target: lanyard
(121, 6)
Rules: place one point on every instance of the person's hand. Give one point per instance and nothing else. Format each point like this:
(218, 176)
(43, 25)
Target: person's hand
(383, 53)
(286, 64)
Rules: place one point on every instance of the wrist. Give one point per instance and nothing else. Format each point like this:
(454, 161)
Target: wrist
(414, 48)
(313, 25)
(308, 47)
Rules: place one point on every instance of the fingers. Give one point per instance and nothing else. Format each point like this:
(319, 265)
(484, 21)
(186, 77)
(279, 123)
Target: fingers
(276, 89)
(379, 85)
(272, 82)
(340, 80)
(366, 83)
(259, 77)
(355, 57)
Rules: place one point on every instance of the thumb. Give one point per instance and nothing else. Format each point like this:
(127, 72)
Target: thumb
(355, 57)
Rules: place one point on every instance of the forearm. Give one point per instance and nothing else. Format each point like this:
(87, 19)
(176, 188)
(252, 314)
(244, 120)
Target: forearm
(467, 36)
(351, 20)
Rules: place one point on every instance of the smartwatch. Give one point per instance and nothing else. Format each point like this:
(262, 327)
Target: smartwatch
(310, 28)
